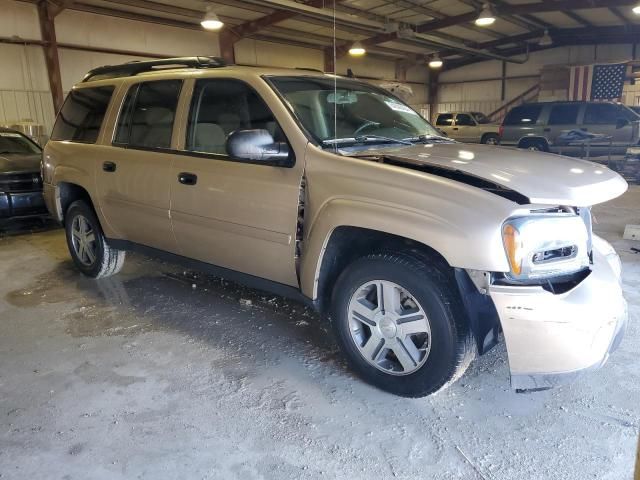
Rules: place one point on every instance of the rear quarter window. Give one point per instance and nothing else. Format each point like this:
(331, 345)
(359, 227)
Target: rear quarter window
(82, 114)
(523, 115)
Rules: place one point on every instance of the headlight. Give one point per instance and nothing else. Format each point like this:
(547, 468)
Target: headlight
(542, 246)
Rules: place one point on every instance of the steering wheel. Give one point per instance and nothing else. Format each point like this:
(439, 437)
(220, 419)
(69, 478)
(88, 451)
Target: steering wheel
(366, 125)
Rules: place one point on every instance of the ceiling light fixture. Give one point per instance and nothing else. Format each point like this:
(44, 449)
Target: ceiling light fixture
(435, 62)
(486, 17)
(357, 49)
(210, 21)
(636, 9)
(546, 40)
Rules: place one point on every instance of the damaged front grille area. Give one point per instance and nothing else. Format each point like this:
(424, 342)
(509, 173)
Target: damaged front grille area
(556, 285)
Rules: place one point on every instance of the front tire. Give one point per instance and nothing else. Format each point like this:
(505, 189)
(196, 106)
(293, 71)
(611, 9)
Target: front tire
(490, 139)
(87, 245)
(399, 322)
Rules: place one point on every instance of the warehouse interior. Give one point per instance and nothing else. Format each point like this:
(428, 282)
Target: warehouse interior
(166, 371)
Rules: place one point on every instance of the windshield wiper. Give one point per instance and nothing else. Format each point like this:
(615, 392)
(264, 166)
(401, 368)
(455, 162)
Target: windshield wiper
(364, 139)
(429, 139)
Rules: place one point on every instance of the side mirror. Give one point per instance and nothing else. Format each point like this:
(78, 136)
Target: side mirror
(257, 145)
(621, 123)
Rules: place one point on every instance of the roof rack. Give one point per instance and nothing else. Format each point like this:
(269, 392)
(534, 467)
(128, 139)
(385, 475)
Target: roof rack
(136, 67)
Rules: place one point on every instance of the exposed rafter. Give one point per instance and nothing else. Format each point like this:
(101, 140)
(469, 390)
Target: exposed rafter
(524, 9)
(564, 37)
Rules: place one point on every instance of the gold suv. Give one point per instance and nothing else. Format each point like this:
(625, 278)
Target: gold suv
(419, 249)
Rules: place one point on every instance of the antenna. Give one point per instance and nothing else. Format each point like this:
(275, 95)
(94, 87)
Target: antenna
(335, 82)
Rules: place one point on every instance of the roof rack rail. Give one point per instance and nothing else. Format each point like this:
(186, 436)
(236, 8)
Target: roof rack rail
(136, 67)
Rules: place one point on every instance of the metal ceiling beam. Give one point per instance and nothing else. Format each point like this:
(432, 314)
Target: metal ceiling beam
(565, 38)
(526, 8)
(374, 16)
(577, 18)
(477, 4)
(619, 15)
(424, 10)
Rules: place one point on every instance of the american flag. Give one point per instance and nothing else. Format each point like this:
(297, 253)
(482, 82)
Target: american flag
(597, 82)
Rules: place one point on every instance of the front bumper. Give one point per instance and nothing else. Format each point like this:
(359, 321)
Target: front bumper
(551, 338)
(22, 204)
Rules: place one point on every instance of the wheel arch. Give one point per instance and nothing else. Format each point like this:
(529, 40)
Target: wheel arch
(485, 135)
(65, 194)
(347, 243)
(536, 138)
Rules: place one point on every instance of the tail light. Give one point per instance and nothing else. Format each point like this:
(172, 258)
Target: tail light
(501, 131)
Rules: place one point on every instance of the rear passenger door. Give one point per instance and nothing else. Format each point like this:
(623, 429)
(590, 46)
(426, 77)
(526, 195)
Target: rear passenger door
(134, 173)
(227, 212)
(563, 117)
(603, 118)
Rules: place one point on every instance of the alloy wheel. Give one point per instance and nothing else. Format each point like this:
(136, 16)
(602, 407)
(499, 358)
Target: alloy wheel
(83, 239)
(389, 327)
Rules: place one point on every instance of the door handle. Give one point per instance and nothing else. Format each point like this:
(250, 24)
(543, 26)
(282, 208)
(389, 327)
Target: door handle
(109, 167)
(187, 178)
(455, 128)
(547, 130)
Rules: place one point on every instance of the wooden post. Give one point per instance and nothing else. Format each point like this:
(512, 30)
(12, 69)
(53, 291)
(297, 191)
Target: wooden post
(503, 95)
(329, 65)
(433, 94)
(227, 41)
(401, 70)
(52, 60)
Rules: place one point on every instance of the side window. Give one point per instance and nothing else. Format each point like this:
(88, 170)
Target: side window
(523, 115)
(147, 115)
(564, 114)
(81, 116)
(601, 114)
(464, 120)
(220, 107)
(444, 120)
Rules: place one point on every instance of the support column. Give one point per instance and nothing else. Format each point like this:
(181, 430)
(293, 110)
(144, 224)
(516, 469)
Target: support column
(227, 39)
(52, 60)
(503, 94)
(433, 94)
(329, 66)
(401, 70)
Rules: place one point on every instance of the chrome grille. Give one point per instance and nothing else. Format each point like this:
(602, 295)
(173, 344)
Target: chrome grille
(20, 182)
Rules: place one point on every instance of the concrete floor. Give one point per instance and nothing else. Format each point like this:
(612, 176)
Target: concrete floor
(159, 373)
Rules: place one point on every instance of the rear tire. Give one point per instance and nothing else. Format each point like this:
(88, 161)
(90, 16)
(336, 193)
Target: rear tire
(490, 139)
(87, 245)
(394, 348)
(534, 145)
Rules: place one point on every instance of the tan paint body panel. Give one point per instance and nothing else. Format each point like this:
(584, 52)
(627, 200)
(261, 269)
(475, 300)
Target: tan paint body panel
(243, 216)
(445, 215)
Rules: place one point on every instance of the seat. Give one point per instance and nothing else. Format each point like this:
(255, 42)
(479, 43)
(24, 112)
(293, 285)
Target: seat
(229, 122)
(209, 138)
(154, 129)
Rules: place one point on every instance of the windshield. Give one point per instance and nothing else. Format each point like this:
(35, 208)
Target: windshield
(481, 118)
(16, 143)
(354, 113)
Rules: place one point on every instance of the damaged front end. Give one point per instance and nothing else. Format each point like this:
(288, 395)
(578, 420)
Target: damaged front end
(561, 306)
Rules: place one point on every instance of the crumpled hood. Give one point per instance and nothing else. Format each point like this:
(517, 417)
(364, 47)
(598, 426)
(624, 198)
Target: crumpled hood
(542, 177)
(19, 163)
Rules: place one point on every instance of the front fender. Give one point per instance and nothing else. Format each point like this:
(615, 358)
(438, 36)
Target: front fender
(452, 240)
